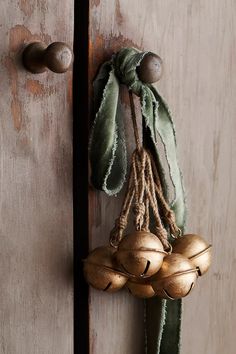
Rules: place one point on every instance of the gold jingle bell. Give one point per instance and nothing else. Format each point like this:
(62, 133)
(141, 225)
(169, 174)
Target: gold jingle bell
(140, 254)
(195, 248)
(140, 288)
(100, 271)
(176, 278)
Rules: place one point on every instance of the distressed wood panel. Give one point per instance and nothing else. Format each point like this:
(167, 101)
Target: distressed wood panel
(35, 185)
(197, 41)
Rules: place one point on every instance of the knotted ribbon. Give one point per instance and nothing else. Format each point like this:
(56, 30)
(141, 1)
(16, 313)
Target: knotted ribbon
(109, 164)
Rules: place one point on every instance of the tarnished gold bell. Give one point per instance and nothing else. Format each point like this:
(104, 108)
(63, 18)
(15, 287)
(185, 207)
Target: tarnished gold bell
(176, 278)
(140, 254)
(101, 272)
(140, 288)
(195, 248)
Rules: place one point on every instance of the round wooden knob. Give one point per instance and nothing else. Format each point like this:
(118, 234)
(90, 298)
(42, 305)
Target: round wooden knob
(57, 57)
(150, 68)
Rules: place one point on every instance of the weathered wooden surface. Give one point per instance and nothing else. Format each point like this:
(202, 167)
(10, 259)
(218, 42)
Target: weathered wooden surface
(36, 186)
(196, 40)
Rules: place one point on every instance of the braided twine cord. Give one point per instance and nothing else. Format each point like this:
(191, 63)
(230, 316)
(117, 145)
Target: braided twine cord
(143, 192)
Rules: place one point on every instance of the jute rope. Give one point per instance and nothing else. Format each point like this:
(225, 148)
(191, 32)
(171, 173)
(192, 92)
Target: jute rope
(144, 191)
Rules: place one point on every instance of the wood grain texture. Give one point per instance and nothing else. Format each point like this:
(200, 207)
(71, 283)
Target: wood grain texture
(197, 42)
(36, 302)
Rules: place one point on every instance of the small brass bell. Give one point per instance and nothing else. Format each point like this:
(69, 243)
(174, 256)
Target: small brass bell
(101, 272)
(140, 288)
(195, 248)
(140, 254)
(176, 278)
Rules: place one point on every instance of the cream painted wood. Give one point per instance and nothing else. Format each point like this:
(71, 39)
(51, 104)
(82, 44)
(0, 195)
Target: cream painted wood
(197, 42)
(36, 302)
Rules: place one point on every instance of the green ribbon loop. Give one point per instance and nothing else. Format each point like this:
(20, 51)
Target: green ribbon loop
(109, 164)
(107, 143)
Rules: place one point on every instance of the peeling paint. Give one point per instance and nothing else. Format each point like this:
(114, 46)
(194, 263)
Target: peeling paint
(104, 47)
(37, 89)
(19, 35)
(96, 3)
(69, 88)
(15, 102)
(26, 7)
(119, 16)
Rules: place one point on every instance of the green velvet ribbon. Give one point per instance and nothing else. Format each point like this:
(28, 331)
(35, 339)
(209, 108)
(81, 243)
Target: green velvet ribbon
(109, 165)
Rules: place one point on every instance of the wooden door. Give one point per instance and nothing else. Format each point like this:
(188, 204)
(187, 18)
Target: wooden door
(196, 40)
(36, 279)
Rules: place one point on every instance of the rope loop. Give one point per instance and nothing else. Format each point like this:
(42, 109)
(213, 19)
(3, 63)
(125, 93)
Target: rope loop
(144, 191)
(139, 209)
(117, 232)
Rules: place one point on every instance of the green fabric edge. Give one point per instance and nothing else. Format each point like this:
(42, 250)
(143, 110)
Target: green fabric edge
(163, 317)
(107, 146)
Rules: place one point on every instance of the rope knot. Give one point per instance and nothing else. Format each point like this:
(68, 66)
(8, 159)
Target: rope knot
(139, 209)
(121, 222)
(170, 215)
(117, 231)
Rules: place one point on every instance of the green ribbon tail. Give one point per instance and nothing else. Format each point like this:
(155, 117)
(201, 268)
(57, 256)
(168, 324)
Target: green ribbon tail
(170, 342)
(107, 143)
(163, 317)
(155, 318)
(166, 130)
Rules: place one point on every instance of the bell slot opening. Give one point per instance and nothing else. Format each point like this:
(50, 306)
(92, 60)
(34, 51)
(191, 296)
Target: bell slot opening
(199, 271)
(107, 287)
(191, 287)
(146, 268)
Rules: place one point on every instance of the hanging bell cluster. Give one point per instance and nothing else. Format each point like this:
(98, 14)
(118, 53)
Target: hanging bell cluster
(144, 261)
